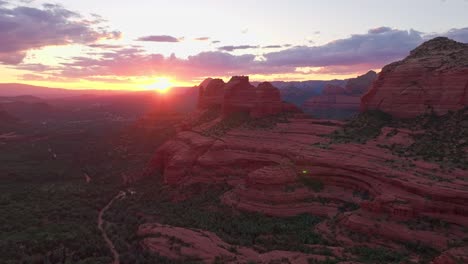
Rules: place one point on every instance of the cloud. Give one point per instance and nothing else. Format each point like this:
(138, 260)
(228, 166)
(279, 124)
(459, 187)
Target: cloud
(215, 41)
(134, 62)
(352, 55)
(25, 28)
(202, 38)
(378, 47)
(159, 38)
(460, 35)
(105, 46)
(272, 47)
(379, 30)
(241, 47)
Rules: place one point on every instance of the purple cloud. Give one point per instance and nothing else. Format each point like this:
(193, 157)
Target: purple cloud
(355, 54)
(241, 47)
(272, 47)
(379, 30)
(460, 35)
(105, 46)
(159, 38)
(377, 47)
(25, 28)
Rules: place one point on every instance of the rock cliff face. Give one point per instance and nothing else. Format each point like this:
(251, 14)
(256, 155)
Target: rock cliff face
(211, 92)
(238, 95)
(434, 76)
(338, 102)
(293, 169)
(360, 84)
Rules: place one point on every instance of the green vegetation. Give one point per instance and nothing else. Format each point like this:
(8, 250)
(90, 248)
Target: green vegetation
(377, 255)
(326, 261)
(348, 206)
(443, 139)
(48, 211)
(204, 212)
(267, 122)
(226, 124)
(243, 119)
(313, 184)
(361, 128)
(209, 115)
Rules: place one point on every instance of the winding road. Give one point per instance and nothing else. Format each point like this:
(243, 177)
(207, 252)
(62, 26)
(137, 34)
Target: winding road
(109, 243)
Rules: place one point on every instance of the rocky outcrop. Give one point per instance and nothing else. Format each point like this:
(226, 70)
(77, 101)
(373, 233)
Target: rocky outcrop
(361, 84)
(292, 169)
(211, 93)
(238, 95)
(338, 102)
(434, 77)
(184, 244)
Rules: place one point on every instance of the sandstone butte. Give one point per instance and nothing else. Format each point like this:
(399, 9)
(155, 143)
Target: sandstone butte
(238, 95)
(338, 101)
(270, 171)
(434, 76)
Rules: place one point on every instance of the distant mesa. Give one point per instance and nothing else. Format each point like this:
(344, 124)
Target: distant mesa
(338, 102)
(434, 77)
(239, 95)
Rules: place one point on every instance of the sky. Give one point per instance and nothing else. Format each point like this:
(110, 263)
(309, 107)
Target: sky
(140, 44)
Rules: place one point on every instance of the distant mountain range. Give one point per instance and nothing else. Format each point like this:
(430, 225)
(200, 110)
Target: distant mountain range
(18, 89)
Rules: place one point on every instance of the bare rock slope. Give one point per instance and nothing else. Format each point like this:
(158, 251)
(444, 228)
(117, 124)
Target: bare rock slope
(433, 77)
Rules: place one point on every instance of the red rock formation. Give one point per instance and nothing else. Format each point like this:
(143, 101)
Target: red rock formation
(434, 75)
(211, 92)
(360, 84)
(333, 90)
(331, 103)
(338, 102)
(183, 244)
(271, 171)
(238, 95)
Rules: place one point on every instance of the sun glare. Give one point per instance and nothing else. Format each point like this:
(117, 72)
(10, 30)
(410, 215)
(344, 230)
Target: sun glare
(161, 85)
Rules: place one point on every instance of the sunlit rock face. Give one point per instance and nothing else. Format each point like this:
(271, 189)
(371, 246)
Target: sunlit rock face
(239, 95)
(433, 77)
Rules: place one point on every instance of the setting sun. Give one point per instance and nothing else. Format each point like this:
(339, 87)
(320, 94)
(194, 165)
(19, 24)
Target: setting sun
(162, 85)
